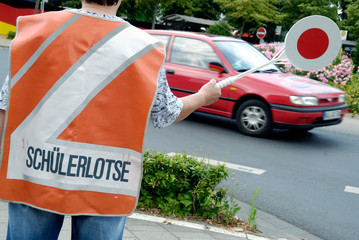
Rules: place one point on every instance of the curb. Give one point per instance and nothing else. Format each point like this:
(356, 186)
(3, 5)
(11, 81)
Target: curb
(199, 226)
(4, 41)
(4, 45)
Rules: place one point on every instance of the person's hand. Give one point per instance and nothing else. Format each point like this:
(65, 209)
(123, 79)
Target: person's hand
(210, 92)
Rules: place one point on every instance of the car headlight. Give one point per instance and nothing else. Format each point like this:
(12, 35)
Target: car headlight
(341, 98)
(307, 101)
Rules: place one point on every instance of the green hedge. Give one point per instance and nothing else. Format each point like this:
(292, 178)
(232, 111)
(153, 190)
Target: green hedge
(11, 35)
(182, 186)
(351, 90)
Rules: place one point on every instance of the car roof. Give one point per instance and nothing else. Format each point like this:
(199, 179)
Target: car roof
(208, 37)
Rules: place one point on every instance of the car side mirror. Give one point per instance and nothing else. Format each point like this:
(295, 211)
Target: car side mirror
(217, 67)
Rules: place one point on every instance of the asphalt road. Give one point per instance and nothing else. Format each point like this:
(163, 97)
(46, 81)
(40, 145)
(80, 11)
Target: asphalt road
(305, 174)
(307, 178)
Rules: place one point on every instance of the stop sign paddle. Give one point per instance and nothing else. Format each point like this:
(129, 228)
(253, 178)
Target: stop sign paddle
(311, 44)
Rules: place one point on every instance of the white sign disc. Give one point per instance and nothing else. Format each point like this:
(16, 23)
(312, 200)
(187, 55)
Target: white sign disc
(313, 43)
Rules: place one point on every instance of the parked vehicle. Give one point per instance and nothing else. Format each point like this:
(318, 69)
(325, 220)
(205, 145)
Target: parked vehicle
(259, 102)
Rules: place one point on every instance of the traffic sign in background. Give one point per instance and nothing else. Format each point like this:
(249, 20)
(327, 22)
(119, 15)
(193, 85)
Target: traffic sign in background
(261, 33)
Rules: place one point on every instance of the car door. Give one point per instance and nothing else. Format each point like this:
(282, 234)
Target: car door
(188, 70)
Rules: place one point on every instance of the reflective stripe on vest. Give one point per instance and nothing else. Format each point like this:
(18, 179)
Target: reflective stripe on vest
(81, 93)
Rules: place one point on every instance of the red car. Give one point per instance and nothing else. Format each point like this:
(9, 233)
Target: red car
(260, 101)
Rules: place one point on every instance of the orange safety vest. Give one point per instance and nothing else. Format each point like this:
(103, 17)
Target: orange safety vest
(81, 94)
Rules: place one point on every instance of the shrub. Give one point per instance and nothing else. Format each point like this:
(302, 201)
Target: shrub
(11, 35)
(182, 186)
(352, 94)
(338, 72)
(268, 49)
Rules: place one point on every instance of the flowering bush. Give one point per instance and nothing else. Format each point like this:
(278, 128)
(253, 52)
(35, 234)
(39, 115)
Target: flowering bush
(351, 90)
(338, 72)
(268, 49)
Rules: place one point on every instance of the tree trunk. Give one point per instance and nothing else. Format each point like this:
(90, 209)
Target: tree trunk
(37, 6)
(154, 15)
(242, 29)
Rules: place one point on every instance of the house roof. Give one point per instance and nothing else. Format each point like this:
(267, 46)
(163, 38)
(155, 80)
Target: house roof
(183, 18)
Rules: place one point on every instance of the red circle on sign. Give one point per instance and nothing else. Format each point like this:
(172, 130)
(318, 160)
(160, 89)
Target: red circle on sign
(313, 43)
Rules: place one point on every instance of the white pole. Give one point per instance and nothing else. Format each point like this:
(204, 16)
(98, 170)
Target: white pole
(231, 80)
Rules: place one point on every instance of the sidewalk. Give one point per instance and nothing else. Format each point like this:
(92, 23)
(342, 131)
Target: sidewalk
(4, 42)
(141, 226)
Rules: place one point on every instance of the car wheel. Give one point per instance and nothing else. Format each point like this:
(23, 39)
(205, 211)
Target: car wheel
(254, 118)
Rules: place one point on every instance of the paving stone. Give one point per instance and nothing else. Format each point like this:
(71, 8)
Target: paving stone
(154, 235)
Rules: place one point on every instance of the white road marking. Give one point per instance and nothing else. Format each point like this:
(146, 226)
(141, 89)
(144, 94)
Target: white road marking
(351, 189)
(233, 166)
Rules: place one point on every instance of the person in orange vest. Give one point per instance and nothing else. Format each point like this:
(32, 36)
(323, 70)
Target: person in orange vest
(84, 84)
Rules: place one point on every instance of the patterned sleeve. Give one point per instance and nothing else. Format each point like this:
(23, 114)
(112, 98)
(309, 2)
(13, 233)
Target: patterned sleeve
(167, 106)
(4, 94)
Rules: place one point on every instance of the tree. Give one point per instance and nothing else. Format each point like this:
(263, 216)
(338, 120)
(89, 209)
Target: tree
(294, 10)
(351, 24)
(133, 9)
(220, 28)
(352, 21)
(195, 8)
(148, 10)
(241, 12)
(71, 3)
(342, 6)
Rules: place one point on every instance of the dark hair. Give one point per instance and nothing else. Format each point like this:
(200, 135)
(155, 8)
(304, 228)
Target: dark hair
(103, 2)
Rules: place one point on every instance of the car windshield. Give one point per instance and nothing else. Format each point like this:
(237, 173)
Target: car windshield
(242, 56)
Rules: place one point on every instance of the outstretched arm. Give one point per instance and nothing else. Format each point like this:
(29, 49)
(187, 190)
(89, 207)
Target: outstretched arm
(207, 95)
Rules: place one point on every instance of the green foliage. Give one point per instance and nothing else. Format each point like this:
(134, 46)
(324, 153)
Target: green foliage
(143, 10)
(182, 186)
(134, 10)
(11, 35)
(71, 3)
(240, 12)
(355, 57)
(231, 207)
(220, 28)
(351, 23)
(351, 90)
(195, 8)
(295, 10)
(253, 212)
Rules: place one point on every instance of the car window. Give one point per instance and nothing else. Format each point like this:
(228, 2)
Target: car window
(163, 38)
(193, 52)
(242, 56)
